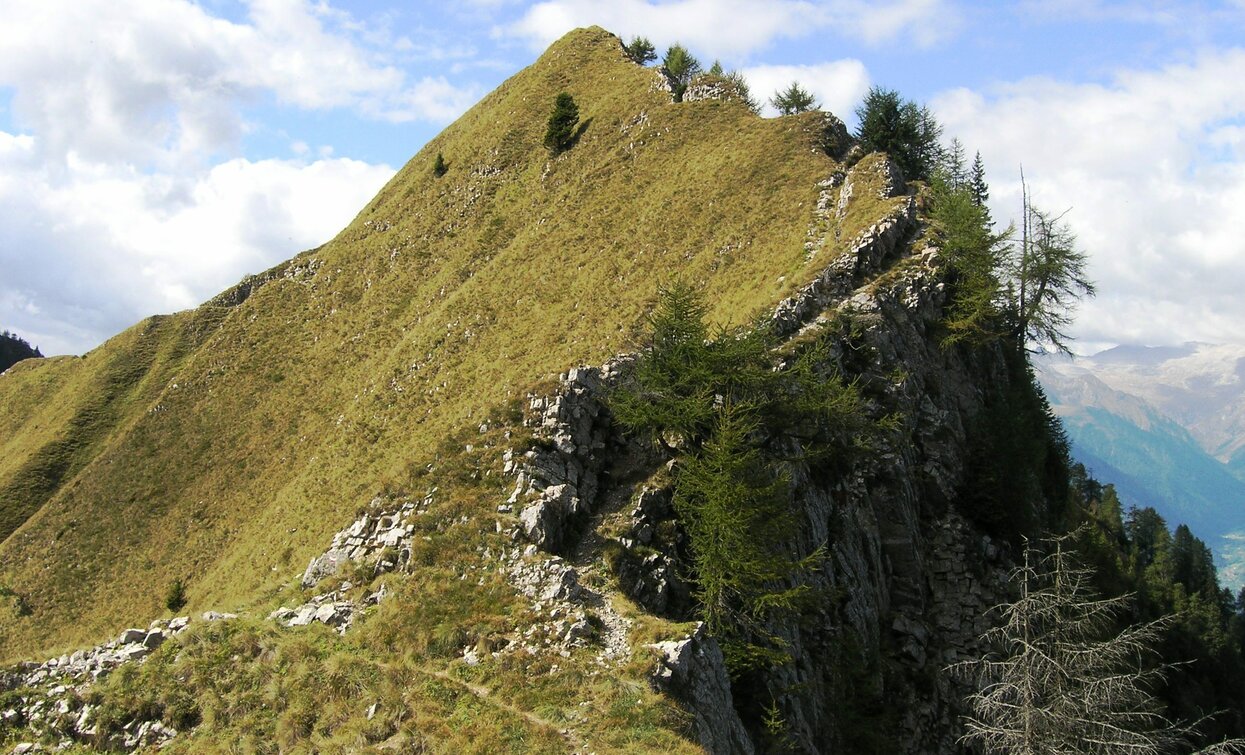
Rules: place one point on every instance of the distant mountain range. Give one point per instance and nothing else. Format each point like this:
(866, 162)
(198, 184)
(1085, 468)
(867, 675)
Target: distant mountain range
(1166, 426)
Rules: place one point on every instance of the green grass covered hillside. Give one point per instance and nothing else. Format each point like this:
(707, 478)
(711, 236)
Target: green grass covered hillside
(225, 445)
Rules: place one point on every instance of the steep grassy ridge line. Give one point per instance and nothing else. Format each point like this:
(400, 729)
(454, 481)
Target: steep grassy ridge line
(444, 298)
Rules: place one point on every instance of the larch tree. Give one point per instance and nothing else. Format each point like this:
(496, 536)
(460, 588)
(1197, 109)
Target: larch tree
(794, 99)
(1049, 277)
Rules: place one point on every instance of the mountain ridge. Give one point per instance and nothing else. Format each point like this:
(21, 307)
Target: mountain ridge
(494, 558)
(368, 309)
(1177, 466)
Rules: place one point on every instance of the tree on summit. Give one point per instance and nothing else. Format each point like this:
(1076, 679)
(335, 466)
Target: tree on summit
(681, 66)
(906, 131)
(794, 99)
(560, 134)
(641, 50)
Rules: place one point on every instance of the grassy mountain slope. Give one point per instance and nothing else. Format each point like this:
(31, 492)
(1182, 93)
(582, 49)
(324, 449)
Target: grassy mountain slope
(64, 410)
(225, 446)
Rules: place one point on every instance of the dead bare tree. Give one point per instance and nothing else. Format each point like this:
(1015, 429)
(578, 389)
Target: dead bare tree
(1059, 678)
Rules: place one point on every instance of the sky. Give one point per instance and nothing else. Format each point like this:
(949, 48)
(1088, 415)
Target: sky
(153, 152)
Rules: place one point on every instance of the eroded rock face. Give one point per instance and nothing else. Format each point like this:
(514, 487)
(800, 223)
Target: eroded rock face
(693, 671)
(557, 481)
(908, 580)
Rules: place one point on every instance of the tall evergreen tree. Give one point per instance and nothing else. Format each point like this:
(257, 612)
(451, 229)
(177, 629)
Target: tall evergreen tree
(1049, 275)
(907, 132)
(978, 186)
(977, 181)
(641, 50)
(954, 167)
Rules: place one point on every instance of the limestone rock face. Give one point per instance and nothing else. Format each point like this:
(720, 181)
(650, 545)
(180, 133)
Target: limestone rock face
(911, 579)
(718, 88)
(557, 480)
(693, 671)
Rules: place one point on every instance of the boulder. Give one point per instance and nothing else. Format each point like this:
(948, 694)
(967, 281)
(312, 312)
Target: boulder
(324, 565)
(154, 639)
(131, 635)
(547, 521)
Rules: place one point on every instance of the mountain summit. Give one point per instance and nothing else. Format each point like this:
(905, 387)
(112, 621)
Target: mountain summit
(644, 437)
(180, 447)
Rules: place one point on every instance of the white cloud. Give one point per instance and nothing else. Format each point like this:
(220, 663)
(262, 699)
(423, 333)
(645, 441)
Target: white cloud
(124, 195)
(732, 28)
(162, 81)
(98, 248)
(1151, 167)
(839, 85)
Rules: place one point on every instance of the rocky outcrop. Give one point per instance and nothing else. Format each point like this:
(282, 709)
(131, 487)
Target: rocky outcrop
(557, 479)
(834, 138)
(693, 671)
(908, 581)
(381, 535)
(867, 254)
(715, 88)
(50, 699)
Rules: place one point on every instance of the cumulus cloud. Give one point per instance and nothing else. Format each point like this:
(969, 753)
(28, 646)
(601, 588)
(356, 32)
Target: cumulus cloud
(122, 188)
(1152, 166)
(838, 86)
(730, 28)
(97, 249)
(158, 81)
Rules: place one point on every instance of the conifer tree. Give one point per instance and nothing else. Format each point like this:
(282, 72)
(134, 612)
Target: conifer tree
(716, 69)
(744, 91)
(979, 188)
(794, 99)
(733, 504)
(439, 167)
(977, 181)
(176, 597)
(681, 66)
(562, 121)
(641, 50)
(1049, 276)
(954, 168)
(907, 132)
(719, 402)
